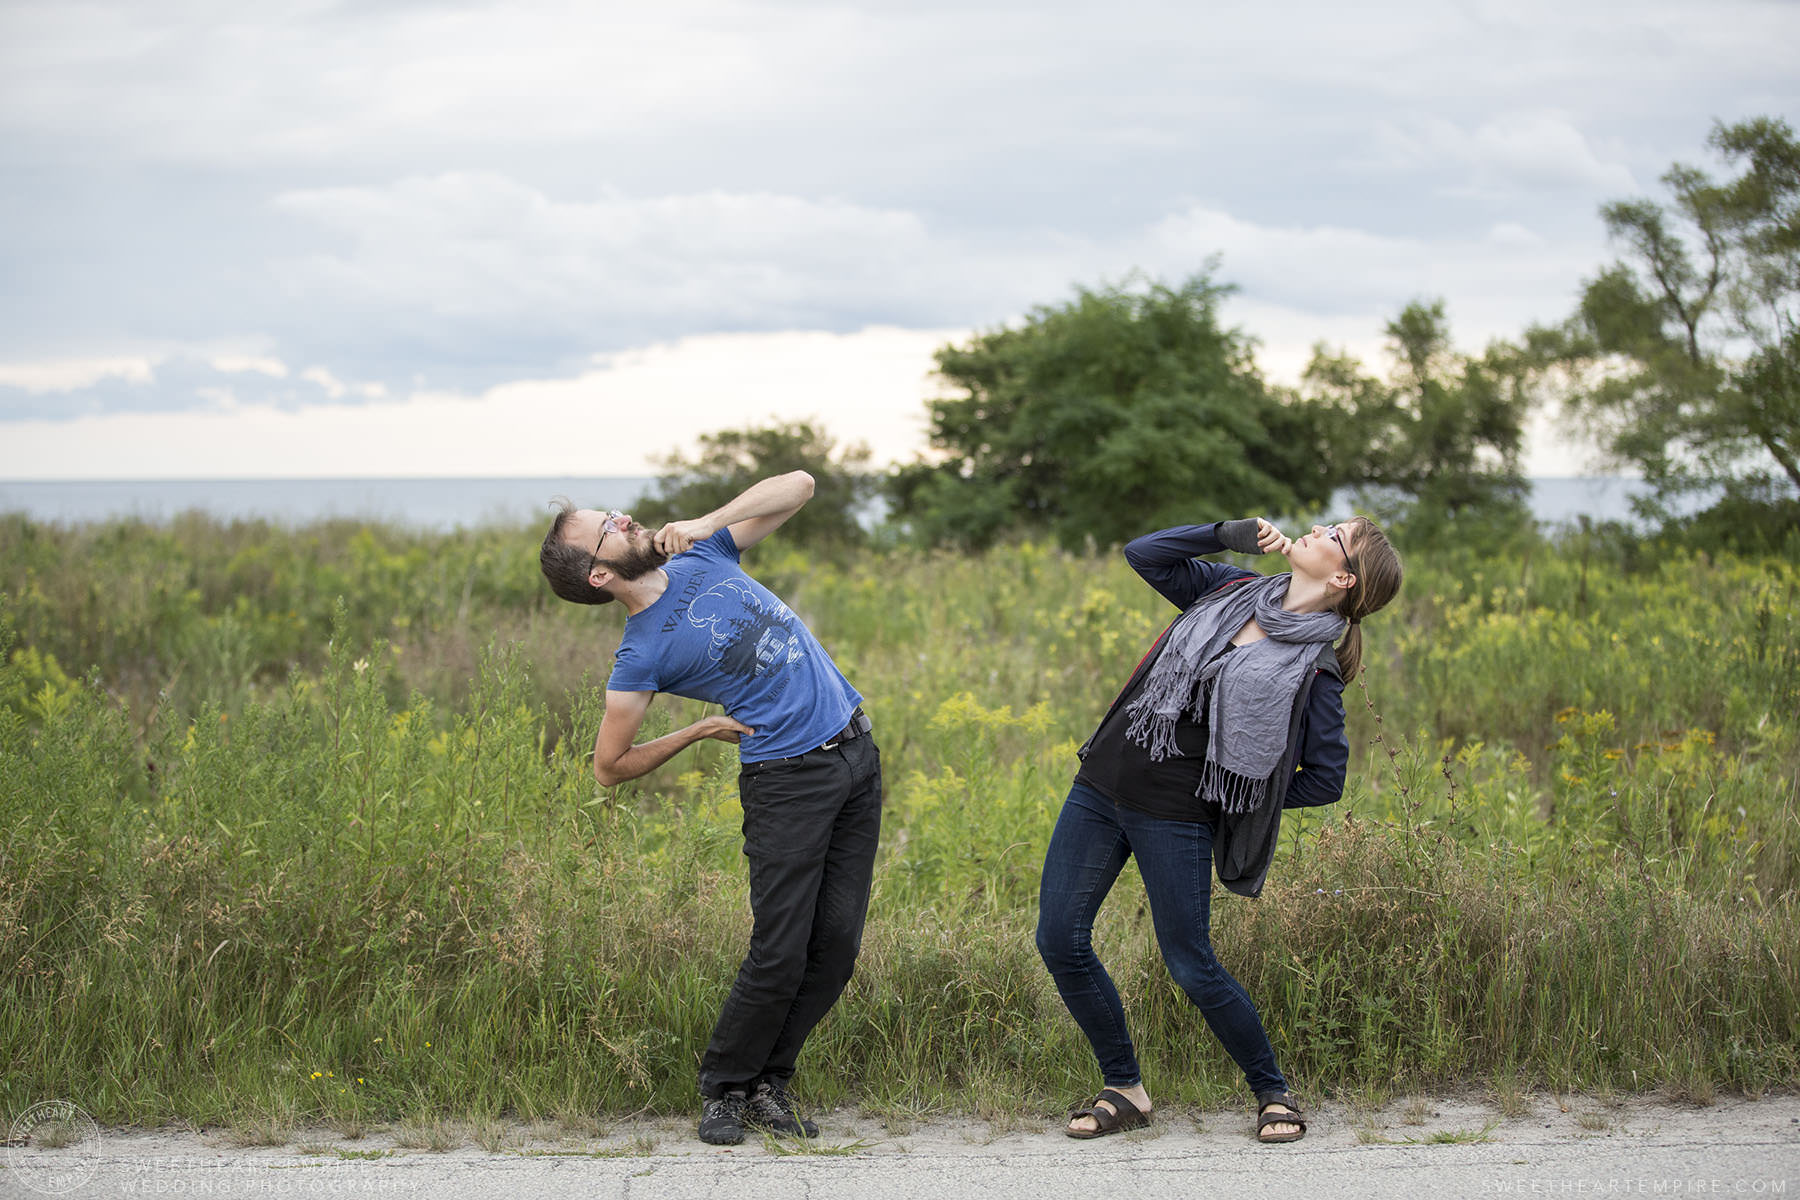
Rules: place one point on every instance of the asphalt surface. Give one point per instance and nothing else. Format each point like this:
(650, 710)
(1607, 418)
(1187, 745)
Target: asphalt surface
(1425, 1147)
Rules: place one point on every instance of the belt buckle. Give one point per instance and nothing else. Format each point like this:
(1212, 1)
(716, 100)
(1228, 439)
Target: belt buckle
(856, 728)
(839, 738)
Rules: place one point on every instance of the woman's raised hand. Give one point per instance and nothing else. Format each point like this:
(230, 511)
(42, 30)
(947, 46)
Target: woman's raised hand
(1270, 539)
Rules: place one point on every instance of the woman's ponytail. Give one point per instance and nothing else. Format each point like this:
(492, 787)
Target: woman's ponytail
(1349, 652)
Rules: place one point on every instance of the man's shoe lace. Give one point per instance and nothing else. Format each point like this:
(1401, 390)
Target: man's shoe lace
(769, 1108)
(722, 1119)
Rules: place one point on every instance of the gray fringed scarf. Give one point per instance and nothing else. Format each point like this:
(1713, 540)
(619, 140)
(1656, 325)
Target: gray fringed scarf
(1253, 687)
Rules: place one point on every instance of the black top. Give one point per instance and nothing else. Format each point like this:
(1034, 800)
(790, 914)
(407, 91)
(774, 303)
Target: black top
(1244, 843)
(1122, 771)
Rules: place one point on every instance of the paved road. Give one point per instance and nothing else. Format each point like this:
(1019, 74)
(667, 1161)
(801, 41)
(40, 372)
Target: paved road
(1559, 1148)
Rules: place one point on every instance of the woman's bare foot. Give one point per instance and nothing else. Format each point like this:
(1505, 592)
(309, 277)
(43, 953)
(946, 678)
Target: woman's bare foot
(1137, 1095)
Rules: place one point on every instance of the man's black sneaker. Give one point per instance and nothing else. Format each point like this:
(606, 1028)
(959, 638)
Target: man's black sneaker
(722, 1119)
(769, 1108)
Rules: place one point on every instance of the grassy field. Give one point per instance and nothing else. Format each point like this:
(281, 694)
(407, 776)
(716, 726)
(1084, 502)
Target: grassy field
(299, 825)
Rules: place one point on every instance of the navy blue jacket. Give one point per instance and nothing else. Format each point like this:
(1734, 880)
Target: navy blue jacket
(1313, 770)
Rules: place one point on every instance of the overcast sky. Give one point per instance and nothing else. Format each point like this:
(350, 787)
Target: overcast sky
(432, 237)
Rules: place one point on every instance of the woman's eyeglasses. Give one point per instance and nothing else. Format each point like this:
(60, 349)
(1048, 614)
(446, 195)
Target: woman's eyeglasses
(1332, 532)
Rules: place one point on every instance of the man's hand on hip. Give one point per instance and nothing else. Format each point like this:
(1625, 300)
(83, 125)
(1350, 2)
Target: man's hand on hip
(725, 729)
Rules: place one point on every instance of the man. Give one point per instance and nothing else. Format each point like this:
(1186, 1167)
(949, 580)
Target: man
(810, 776)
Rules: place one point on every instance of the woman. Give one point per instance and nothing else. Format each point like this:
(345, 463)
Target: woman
(1236, 713)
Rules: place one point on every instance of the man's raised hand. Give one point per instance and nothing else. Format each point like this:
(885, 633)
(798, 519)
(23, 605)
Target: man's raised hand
(678, 536)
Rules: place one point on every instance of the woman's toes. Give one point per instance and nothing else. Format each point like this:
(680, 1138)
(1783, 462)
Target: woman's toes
(1091, 1124)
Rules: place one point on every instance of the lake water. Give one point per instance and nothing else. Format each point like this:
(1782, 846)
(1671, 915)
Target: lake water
(420, 503)
(448, 503)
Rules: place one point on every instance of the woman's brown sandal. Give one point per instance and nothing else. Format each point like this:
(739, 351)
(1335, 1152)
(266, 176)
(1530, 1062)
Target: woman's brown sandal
(1265, 1118)
(1124, 1117)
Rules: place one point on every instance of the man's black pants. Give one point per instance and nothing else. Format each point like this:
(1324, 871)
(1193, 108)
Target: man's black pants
(810, 829)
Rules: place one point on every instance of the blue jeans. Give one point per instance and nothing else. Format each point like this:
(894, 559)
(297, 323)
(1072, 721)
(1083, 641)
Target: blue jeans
(1093, 839)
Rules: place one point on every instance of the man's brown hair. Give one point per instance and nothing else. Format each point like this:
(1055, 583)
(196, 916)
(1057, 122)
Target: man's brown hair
(566, 566)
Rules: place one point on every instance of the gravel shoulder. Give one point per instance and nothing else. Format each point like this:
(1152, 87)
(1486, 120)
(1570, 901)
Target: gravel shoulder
(1544, 1145)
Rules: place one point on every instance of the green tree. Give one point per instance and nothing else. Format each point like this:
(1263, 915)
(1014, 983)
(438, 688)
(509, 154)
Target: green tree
(731, 460)
(1444, 430)
(1122, 409)
(1683, 357)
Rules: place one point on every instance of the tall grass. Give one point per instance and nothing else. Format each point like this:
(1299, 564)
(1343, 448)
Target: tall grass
(279, 836)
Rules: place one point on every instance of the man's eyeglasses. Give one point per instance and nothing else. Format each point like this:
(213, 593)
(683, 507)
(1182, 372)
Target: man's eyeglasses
(1332, 532)
(611, 523)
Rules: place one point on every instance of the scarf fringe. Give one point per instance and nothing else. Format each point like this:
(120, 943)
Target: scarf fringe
(1233, 793)
(1155, 731)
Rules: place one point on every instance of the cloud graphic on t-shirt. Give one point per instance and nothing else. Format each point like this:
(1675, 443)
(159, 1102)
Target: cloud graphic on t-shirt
(723, 610)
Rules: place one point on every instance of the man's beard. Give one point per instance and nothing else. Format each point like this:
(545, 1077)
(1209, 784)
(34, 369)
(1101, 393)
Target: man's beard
(636, 561)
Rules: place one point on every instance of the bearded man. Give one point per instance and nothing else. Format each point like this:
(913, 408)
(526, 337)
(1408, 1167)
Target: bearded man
(810, 775)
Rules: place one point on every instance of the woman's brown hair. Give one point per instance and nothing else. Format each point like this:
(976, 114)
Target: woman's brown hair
(1378, 575)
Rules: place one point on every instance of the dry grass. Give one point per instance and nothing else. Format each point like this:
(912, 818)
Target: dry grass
(261, 1130)
(431, 1133)
(56, 1134)
(495, 1137)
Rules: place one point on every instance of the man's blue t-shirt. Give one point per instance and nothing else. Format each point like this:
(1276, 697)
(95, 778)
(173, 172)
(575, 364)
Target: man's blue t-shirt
(718, 635)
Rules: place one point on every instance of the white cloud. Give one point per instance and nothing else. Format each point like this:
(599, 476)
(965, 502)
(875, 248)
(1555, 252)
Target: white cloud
(479, 245)
(333, 387)
(610, 420)
(481, 256)
(483, 253)
(317, 81)
(237, 364)
(1330, 263)
(73, 374)
(613, 419)
(1495, 283)
(1515, 151)
(290, 201)
(1513, 234)
(1285, 337)
(175, 377)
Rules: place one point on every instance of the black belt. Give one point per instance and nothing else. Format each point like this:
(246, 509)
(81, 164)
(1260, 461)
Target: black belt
(858, 726)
